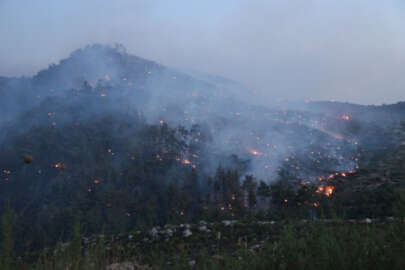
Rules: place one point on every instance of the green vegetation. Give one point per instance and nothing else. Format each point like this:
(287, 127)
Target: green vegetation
(104, 147)
(7, 255)
(334, 244)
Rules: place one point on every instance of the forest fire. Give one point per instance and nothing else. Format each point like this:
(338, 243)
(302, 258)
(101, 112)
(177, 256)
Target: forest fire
(342, 174)
(325, 190)
(335, 135)
(186, 161)
(59, 165)
(189, 148)
(254, 152)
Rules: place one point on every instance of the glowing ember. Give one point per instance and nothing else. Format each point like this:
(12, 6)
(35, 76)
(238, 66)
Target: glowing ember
(58, 165)
(329, 190)
(186, 161)
(255, 152)
(345, 117)
(325, 190)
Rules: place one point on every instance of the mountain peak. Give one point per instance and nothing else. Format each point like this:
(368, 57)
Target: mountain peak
(92, 63)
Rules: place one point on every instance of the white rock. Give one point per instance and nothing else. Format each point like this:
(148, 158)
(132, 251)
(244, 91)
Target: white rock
(229, 222)
(203, 228)
(121, 266)
(187, 233)
(169, 233)
(154, 232)
(192, 263)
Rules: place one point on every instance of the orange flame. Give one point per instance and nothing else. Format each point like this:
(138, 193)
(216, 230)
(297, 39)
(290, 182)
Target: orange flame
(186, 161)
(325, 190)
(255, 152)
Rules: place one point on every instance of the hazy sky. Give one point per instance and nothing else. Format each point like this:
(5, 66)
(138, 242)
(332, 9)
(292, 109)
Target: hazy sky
(347, 50)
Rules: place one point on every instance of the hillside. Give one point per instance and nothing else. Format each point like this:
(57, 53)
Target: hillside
(121, 143)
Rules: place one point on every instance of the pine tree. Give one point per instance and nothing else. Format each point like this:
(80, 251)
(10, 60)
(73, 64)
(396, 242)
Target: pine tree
(75, 247)
(249, 186)
(7, 244)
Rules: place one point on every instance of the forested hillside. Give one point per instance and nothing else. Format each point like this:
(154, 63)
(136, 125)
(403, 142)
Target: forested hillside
(120, 143)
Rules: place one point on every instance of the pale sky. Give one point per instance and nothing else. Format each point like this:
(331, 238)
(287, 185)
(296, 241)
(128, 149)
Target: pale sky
(346, 50)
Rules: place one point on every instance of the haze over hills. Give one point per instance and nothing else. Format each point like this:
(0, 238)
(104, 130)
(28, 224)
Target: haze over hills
(122, 142)
(223, 135)
(128, 83)
(162, 94)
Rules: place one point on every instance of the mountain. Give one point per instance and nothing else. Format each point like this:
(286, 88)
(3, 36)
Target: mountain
(120, 142)
(391, 113)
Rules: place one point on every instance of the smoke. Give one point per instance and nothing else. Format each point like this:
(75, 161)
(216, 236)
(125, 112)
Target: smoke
(100, 81)
(346, 50)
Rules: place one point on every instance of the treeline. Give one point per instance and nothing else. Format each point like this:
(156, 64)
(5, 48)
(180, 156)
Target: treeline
(82, 156)
(115, 173)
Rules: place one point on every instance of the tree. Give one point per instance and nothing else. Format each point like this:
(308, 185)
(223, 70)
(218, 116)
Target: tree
(7, 244)
(249, 186)
(263, 193)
